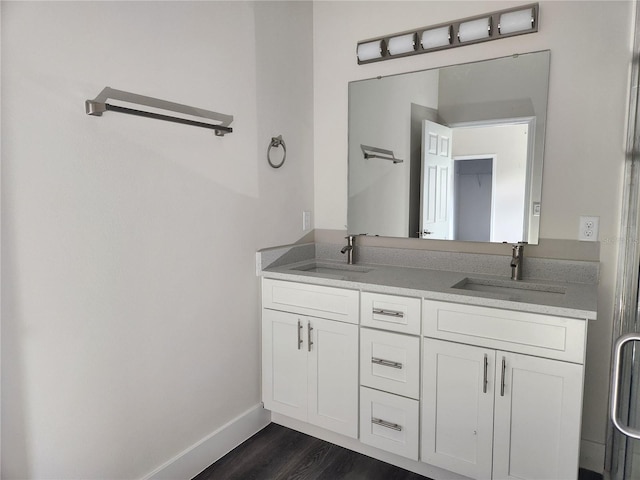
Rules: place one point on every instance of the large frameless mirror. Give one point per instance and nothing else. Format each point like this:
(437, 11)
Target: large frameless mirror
(453, 153)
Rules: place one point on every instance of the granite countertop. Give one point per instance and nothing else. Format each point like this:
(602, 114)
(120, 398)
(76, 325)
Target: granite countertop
(559, 298)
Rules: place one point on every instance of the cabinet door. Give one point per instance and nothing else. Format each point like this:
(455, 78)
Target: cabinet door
(457, 407)
(537, 418)
(333, 375)
(284, 364)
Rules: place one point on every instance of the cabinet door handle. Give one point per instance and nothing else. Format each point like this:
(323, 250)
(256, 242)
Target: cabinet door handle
(486, 368)
(504, 370)
(299, 334)
(388, 313)
(383, 423)
(309, 341)
(386, 363)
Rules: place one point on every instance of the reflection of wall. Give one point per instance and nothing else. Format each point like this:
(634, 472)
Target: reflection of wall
(509, 145)
(496, 92)
(381, 117)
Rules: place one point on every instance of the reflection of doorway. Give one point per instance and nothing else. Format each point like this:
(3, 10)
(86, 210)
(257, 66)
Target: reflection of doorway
(473, 198)
(511, 143)
(437, 182)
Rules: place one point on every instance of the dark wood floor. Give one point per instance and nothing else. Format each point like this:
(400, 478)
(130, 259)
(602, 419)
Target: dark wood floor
(279, 453)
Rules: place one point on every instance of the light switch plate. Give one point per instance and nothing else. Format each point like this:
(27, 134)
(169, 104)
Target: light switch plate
(306, 221)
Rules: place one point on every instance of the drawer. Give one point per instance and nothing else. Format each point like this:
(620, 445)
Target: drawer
(390, 362)
(389, 422)
(313, 300)
(536, 334)
(390, 312)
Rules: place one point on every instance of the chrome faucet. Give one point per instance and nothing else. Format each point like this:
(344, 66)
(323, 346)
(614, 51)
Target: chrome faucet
(517, 255)
(348, 249)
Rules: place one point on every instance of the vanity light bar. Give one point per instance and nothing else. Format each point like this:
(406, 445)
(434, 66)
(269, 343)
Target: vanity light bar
(467, 31)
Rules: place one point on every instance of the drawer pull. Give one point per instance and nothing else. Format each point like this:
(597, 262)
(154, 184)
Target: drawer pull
(486, 368)
(504, 370)
(299, 334)
(309, 341)
(382, 423)
(388, 313)
(386, 363)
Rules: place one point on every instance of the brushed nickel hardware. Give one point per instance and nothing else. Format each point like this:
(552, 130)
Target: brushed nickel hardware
(299, 334)
(486, 368)
(388, 313)
(504, 370)
(517, 257)
(383, 423)
(99, 105)
(386, 363)
(513, 21)
(309, 341)
(349, 248)
(381, 153)
(275, 143)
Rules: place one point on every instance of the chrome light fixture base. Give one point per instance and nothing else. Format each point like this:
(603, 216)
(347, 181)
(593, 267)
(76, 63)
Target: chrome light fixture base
(468, 31)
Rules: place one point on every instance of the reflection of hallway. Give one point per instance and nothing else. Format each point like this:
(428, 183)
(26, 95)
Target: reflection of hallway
(472, 199)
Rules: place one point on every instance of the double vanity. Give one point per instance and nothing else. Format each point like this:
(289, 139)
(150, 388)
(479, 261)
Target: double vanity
(451, 373)
(438, 362)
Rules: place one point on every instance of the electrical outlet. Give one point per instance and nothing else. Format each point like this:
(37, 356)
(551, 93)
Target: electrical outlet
(306, 221)
(536, 209)
(588, 231)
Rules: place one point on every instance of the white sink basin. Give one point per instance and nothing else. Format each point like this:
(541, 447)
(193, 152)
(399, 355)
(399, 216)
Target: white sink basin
(510, 289)
(331, 269)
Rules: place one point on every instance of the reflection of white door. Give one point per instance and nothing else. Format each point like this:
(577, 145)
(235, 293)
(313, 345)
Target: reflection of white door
(437, 182)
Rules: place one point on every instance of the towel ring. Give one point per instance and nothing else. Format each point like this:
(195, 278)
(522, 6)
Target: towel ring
(275, 143)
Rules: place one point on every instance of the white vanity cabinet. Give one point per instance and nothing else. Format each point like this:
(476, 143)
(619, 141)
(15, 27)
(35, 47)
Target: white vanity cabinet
(310, 354)
(390, 373)
(501, 392)
(480, 392)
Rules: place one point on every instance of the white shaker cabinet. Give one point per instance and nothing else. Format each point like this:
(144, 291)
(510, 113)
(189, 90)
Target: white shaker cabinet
(390, 373)
(482, 392)
(496, 413)
(457, 407)
(310, 364)
(537, 418)
(284, 364)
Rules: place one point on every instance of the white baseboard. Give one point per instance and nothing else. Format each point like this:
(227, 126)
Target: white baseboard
(214, 446)
(592, 455)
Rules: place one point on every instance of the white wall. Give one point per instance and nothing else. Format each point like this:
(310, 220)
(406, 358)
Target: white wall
(380, 117)
(509, 144)
(130, 306)
(584, 149)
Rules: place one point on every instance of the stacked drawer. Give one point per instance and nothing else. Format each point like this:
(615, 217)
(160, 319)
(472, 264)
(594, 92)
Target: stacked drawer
(390, 372)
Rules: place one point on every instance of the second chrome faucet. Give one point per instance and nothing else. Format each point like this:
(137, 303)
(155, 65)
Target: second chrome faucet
(517, 256)
(349, 249)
